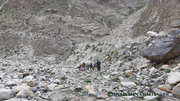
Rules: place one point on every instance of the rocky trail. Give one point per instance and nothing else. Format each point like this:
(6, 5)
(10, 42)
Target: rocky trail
(37, 80)
(42, 43)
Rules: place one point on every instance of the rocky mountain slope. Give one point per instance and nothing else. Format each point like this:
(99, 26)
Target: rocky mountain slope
(58, 24)
(160, 15)
(43, 41)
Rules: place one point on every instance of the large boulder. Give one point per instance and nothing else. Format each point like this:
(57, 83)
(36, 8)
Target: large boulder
(163, 50)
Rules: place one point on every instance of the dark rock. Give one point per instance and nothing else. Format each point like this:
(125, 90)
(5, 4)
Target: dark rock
(163, 50)
(174, 32)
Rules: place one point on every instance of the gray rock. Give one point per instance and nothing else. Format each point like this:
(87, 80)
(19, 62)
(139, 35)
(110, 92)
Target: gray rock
(173, 78)
(91, 93)
(128, 84)
(150, 97)
(1, 86)
(11, 83)
(17, 65)
(152, 72)
(165, 87)
(176, 91)
(27, 78)
(163, 50)
(174, 32)
(5, 94)
(102, 96)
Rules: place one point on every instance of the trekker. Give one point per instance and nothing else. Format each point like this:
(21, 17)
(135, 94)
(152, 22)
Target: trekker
(98, 65)
(109, 58)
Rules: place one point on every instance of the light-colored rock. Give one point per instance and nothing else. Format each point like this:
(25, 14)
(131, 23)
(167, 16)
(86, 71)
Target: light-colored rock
(152, 72)
(92, 93)
(166, 87)
(5, 94)
(128, 84)
(17, 99)
(128, 97)
(126, 66)
(144, 71)
(176, 91)
(2, 86)
(51, 86)
(114, 73)
(173, 78)
(151, 34)
(11, 83)
(128, 73)
(164, 67)
(150, 97)
(102, 96)
(106, 77)
(22, 93)
(87, 88)
(28, 78)
(63, 86)
(175, 69)
(23, 87)
(32, 82)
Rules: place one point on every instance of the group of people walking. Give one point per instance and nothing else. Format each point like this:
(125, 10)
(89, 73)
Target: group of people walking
(90, 66)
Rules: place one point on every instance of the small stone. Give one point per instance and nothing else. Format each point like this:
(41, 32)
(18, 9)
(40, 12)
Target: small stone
(2, 86)
(34, 89)
(152, 72)
(106, 77)
(164, 67)
(144, 71)
(5, 94)
(151, 34)
(87, 88)
(128, 84)
(63, 86)
(176, 91)
(27, 78)
(91, 92)
(17, 65)
(128, 73)
(51, 86)
(150, 97)
(166, 87)
(11, 83)
(114, 73)
(32, 82)
(102, 96)
(23, 87)
(128, 97)
(175, 69)
(125, 66)
(173, 78)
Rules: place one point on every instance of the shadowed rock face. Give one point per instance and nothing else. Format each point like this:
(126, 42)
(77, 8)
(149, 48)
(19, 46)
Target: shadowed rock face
(163, 50)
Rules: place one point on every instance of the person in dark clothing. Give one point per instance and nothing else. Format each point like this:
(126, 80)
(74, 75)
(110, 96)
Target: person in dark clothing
(98, 65)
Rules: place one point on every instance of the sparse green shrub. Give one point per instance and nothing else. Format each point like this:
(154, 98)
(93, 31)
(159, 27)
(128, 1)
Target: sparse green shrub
(167, 70)
(93, 39)
(122, 47)
(63, 78)
(88, 80)
(87, 46)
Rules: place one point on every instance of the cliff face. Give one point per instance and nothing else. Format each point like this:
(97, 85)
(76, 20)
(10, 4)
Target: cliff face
(160, 15)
